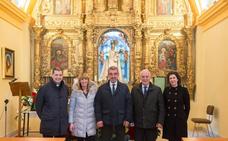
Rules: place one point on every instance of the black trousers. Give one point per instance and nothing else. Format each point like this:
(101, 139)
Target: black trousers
(48, 136)
(87, 138)
(142, 134)
(112, 133)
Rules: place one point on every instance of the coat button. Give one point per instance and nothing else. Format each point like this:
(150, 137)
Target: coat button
(175, 93)
(175, 108)
(175, 115)
(168, 115)
(168, 100)
(169, 92)
(168, 107)
(175, 100)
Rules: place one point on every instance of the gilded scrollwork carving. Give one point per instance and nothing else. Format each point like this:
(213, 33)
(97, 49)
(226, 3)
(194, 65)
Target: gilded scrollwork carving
(137, 19)
(190, 70)
(178, 50)
(46, 7)
(89, 50)
(39, 31)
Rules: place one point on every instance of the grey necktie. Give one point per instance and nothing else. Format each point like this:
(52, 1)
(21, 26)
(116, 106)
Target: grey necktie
(144, 90)
(113, 89)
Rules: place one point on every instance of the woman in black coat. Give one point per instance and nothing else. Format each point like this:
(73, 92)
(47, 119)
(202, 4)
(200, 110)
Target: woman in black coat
(177, 105)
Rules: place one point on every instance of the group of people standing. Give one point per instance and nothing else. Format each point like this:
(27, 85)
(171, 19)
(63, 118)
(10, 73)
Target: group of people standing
(111, 108)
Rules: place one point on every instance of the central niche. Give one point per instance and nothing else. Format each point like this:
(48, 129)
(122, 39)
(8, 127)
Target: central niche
(113, 50)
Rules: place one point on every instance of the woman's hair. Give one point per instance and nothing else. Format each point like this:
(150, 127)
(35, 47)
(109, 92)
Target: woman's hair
(176, 74)
(83, 76)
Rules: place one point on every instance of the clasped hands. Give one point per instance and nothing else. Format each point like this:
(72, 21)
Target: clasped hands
(100, 124)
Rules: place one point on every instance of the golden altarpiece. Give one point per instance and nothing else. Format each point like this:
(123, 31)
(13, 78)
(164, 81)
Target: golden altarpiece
(153, 34)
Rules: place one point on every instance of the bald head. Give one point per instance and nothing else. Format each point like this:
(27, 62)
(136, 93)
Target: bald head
(145, 76)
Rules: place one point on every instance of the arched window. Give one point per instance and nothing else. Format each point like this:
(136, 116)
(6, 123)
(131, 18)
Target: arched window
(204, 5)
(22, 4)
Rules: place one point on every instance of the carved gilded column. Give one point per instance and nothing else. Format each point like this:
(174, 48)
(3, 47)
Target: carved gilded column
(89, 51)
(113, 4)
(126, 5)
(146, 47)
(137, 6)
(190, 69)
(89, 6)
(149, 7)
(39, 30)
(80, 48)
(77, 7)
(100, 5)
(138, 51)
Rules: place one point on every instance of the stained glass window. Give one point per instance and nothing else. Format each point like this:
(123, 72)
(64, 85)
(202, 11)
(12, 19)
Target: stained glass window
(204, 5)
(22, 4)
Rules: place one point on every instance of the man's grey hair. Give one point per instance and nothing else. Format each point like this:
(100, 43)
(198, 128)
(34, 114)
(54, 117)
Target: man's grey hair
(113, 68)
(145, 71)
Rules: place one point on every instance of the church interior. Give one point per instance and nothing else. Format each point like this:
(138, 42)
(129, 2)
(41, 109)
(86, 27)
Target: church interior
(187, 36)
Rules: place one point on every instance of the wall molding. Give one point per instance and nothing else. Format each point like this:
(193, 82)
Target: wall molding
(13, 15)
(213, 15)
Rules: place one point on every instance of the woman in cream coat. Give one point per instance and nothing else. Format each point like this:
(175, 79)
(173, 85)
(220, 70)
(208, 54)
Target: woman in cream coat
(81, 111)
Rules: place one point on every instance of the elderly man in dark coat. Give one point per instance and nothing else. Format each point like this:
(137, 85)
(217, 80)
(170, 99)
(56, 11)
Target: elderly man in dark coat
(148, 108)
(51, 106)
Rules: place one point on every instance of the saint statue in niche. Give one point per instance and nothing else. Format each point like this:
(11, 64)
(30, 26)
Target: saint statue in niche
(113, 51)
(113, 60)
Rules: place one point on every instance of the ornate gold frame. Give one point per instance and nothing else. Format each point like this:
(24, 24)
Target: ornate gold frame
(98, 32)
(179, 53)
(46, 55)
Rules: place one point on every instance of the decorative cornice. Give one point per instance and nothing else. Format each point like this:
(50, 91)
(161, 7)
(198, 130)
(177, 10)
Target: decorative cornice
(31, 6)
(194, 9)
(214, 15)
(13, 15)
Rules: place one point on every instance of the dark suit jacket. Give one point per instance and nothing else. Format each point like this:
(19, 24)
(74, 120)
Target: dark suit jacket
(147, 110)
(113, 109)
(51, 107)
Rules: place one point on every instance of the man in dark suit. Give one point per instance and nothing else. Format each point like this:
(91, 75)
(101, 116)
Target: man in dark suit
(113, 107)
(148, 108)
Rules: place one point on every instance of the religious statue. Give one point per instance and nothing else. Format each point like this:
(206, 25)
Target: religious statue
(113, 60)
